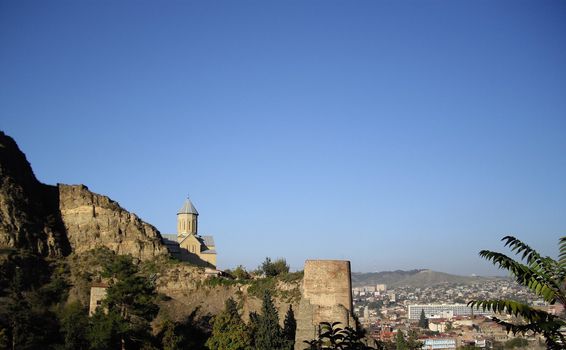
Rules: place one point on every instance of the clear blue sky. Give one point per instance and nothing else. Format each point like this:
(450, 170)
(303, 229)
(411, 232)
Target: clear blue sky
(395, 134)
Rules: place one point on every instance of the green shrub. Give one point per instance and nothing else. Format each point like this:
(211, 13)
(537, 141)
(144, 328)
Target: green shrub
(258, 287)
(275, 268)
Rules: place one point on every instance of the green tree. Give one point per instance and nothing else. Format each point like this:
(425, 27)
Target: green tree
(120, 267)
(413, 342)
(275, 268)
(290, 328)
(106, 330)
(543, 276)
(74, 325)
(170, 340)
(253, 326)
(27, 304)
(4, 342)
(229, 332)
(194, 330)
(28, 327)
(131, 298)
(423, 321)
(269, 334)
(240, 273)
(400, 341)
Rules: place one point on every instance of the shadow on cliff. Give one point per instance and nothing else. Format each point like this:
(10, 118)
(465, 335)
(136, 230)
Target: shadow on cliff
(30, 218)
(195, 330)
(53, 219)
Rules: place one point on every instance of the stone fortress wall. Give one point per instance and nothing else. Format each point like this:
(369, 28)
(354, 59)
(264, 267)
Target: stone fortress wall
(326, 297)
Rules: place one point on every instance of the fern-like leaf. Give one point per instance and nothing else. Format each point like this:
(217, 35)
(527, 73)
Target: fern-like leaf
(544, 265)
(543, 276)
(514, 308)
(537, 281)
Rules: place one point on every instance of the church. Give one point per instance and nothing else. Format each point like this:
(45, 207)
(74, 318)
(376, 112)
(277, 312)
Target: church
(187, 244)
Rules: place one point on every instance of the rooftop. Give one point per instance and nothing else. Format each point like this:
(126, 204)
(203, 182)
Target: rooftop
(188, 208)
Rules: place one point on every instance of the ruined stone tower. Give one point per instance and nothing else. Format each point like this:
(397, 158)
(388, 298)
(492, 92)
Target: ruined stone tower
(326, 297)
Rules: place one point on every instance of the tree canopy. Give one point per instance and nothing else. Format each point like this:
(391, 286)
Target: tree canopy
(129, 307)
(229, 332)
(289, 327)
(423, 321)
(269, 335)
(274, 268)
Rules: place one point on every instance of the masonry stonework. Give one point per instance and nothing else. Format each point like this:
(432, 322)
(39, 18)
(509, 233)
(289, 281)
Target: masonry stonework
(97, 295)
(326, 297)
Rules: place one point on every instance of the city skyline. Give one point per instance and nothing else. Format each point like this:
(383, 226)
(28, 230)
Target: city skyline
(396, 135)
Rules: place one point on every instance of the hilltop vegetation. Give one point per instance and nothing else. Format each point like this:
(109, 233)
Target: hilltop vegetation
(149, 302)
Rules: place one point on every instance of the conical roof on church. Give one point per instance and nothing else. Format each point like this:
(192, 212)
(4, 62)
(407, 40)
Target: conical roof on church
(188, 208)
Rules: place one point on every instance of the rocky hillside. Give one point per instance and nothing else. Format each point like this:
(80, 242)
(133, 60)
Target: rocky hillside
(185, 289)
(55, 220)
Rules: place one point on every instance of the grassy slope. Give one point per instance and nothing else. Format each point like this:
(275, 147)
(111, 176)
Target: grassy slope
(414, 278)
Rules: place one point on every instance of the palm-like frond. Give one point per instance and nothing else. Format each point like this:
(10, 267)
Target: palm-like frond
(529, 254)
(545, 265)
(513, 308)
(550, 329)
(543, 276)
(537, 281)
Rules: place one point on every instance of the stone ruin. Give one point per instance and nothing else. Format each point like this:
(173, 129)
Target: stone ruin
(326, 297)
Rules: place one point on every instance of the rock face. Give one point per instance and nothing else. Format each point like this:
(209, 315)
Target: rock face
(92, 220)
(55, 220)
(29, 210)
(188, 291)
(326, 297)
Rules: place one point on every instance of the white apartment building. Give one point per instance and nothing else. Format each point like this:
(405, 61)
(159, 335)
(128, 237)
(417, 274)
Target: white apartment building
(443, 311)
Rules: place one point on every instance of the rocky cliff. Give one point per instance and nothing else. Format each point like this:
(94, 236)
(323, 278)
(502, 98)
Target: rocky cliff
(55, 220)
(92, 220)
(29, 210)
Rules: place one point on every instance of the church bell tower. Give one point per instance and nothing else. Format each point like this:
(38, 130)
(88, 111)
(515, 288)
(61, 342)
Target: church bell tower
(187, 220)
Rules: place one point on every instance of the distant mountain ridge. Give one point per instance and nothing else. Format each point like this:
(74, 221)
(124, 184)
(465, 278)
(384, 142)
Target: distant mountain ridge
(414, 278)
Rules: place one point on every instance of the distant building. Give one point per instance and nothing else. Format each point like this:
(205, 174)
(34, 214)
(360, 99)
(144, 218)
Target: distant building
(97, 295)
(187, 244)
(369, 289)
(392, 296)
(438, 343)
(380, 287)
(437, 326)
(443, 311)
